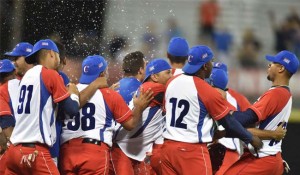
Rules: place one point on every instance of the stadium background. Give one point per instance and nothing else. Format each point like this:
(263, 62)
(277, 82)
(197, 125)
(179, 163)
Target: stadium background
(113, 28)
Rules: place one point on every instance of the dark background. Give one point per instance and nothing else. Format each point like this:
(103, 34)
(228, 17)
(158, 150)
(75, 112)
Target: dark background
(291, 148)
(43, 19)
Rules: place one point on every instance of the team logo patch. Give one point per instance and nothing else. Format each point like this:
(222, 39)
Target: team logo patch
(286, 60)
(190, 58)
(151, 68)
(45, 44)
(85, 69)
(218, 64)
(204, 56)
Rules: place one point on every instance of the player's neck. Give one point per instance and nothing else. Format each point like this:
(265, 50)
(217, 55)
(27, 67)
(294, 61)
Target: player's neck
(177, 65)
(281, 82)
(136, 77)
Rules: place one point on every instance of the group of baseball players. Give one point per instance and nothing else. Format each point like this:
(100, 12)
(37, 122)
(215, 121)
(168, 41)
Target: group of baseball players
(171, 115)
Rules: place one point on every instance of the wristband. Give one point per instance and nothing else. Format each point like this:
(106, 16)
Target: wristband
(75, 97)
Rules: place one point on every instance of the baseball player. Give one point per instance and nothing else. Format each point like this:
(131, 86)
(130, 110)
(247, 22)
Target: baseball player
(9, 90)
(87, 138)
(190, 112)
(134, 72)
(271, 110)
(177, 54)
(131, 147)
(232, 146)
(39, 91)
(8, 93)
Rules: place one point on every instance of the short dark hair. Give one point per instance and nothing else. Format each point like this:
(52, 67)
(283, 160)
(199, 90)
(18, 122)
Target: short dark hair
(61, 49)
(133, 62)
(177, 59)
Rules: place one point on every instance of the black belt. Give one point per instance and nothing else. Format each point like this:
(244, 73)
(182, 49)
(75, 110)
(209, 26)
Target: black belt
(30, 145)
(92, 141)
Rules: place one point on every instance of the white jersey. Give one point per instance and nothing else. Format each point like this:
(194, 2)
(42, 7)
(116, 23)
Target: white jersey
(13, 86)
(137, 142)
(176, 71)
(188, 101)
(8, 96)
(34, 109)
(231, 143)
(272, 108)
(94, 120)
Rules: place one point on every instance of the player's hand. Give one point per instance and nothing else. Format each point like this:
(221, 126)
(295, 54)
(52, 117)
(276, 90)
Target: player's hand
(115, 86)
(144, 99)
(280, 132)
(101, 82)
(72, 89)
(256, 142)
(218, 135)
(28, 159)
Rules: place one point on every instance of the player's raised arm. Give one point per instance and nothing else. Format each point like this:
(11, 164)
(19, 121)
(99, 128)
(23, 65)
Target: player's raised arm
(89, 91)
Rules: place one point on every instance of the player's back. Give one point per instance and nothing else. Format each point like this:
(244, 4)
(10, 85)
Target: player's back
(34, 110)
(128, 87)
(187, 118)
(95, 119)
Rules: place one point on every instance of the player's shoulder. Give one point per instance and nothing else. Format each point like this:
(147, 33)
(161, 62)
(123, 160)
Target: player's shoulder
(4, 86)
(129, 83)
(279, 91)
(49, 72)
(153, 86)
(108, 92)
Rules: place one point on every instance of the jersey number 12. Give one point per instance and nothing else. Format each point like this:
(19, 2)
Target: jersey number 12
(181, 104)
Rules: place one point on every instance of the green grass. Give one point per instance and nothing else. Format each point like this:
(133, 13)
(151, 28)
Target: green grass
(295, 116)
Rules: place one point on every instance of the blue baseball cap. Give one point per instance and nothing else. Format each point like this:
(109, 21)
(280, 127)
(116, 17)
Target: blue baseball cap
(287, 59)
(198, 55)
(178, 47)
(219, 78)
(21, 49)
(220, 65)
(47, 44)
(6, 66)
(155, 66)
(92, 66)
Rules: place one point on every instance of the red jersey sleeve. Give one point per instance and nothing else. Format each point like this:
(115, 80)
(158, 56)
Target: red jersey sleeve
(116, 105)
(54, 84)
(242, 101)
(4, 100)
(158, 92)
(216, 105)
(271, 102)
